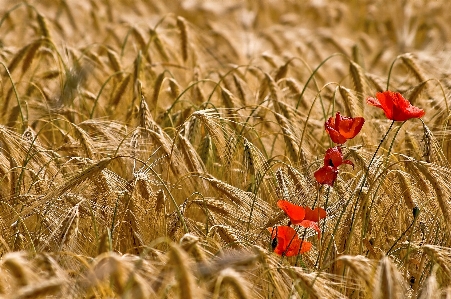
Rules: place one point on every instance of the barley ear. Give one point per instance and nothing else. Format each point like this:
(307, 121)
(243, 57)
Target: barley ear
(43, 26)
(231, 278)
(181, 24)
(388, 281)
(185, 278)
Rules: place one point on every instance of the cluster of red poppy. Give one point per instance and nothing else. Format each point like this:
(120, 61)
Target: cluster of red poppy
(340, 130)
(285, 239)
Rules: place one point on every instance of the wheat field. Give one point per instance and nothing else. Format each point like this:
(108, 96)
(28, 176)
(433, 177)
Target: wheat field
(144, 148)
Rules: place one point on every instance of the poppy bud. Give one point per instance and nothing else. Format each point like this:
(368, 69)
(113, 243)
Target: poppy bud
(416, 212)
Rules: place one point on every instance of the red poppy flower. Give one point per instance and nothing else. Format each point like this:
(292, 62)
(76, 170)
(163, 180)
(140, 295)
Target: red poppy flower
(286, 242)
(305, 217)
(342, 128)
(395, 106)
(332, 159)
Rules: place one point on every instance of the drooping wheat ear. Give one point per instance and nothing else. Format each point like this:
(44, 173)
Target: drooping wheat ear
(89, 173)
(110, 265)
(156, 89)
(206, 149)
(405, 185)
(190, 243)
(85, 141)
(388, 281)
(358, 78)
(228, 235)
(270, 263)
(174, 87)
(289, 137)
(197, 94)
(120, 90)
(417, 91)
(144, 188)
(351, 102)
(139, 38)
(43, 26)
(115, 62)
(69, 227)
(47, 264)
(249, 160)
(145, 117)
(376, 82)
(137, 287)
(18, 58)
(282, 71)
(433, 178)
(312, 285)
(270, 59)
(274, 91)
(227, 98)
(282, 190)
(239, 84)
(48, 75)
(293, 85)
(181, 24)
(32, 50)
(185, 278)
(15, 263)
(50, 287)
(430, 288)
(214, 206)
(362, 266)
(412, 145)
(191, 157)
(409, 60)
(415, 172)
(432, 149)
(302, 181)
(440, 255)
(231, 278)
(235, 194)
(262, 90)
(160, 48)
(130, 219)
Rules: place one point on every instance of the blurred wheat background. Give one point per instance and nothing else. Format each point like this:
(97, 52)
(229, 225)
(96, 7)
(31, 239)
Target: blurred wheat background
(144, 145)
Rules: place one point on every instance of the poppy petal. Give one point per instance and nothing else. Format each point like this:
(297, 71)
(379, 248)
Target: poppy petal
(349, 127)
(305, 246)
(315, 215)
(373, 102)
(326, 175)
(333, 157)
(288, 243)
(334, 134)
(294, 212)
(311, 224)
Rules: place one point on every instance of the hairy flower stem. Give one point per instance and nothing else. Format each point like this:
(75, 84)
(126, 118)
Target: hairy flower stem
(364, 181)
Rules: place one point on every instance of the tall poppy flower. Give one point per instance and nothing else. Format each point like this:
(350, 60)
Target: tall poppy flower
(285, 241)
(332, 159)
(342, 128)
(305, 217)
(395, 106)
